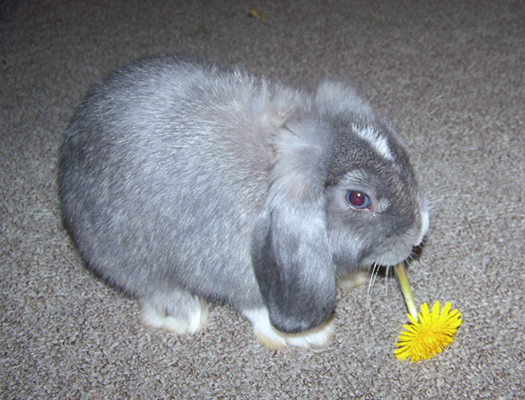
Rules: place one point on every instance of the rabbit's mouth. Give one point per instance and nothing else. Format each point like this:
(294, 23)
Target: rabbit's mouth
(406, 246)
(414, 255)
(399, 248)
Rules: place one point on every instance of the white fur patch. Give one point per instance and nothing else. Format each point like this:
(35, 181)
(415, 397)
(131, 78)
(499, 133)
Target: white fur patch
(270, 337)
(377, 142)
(424, 224)
(181, 325)
(423, 207)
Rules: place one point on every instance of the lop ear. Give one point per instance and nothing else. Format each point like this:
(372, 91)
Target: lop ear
(290, 250)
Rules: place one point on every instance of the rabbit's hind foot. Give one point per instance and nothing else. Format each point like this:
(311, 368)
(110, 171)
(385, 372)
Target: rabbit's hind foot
(178, 312)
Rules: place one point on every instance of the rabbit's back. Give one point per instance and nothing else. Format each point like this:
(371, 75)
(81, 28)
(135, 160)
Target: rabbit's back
(163, 173)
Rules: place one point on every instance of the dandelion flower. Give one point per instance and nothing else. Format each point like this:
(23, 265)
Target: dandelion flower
(429, 333)
(429, 336)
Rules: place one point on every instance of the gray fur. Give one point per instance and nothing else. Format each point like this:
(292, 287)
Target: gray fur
(177, 176)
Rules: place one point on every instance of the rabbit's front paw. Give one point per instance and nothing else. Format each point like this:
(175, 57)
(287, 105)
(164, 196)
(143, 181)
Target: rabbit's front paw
(353, 280)
(271, 338)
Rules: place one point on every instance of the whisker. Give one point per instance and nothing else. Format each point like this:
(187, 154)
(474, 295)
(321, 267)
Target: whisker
(429, 114)
(387, 274)
(375, 272)
(416, 111)
(429, 102)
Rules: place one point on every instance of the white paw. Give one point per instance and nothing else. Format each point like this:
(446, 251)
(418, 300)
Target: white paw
(270, 337)
(353, 279)
(189, 323)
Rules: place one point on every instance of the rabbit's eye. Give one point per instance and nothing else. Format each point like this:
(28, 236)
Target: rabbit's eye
(357, 199)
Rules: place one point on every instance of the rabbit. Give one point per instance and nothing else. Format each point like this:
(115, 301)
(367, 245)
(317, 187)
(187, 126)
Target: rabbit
(184, 183)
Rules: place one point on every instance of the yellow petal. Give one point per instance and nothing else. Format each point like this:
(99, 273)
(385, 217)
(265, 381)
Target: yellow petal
(435, 311)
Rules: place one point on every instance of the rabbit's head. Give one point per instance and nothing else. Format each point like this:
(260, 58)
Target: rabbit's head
(342, 195)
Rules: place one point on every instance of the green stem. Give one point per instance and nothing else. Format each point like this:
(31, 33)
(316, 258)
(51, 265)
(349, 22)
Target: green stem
(405, 288)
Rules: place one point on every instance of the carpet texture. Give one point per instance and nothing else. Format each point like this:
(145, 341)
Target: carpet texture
(449, 75)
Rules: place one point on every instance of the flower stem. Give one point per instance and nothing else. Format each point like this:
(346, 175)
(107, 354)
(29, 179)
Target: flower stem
(405, 288)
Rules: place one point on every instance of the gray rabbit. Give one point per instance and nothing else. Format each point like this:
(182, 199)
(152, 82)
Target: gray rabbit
(183, 183)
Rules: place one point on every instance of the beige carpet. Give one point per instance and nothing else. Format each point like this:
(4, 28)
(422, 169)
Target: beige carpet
(450, 77)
